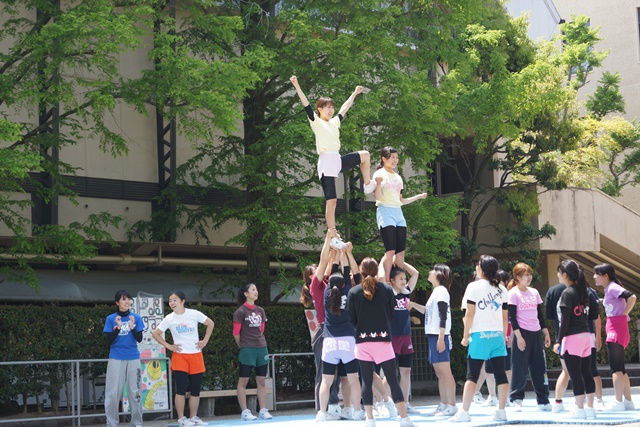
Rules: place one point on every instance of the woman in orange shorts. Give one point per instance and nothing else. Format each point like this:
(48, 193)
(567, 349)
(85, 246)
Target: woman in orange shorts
(187, 363)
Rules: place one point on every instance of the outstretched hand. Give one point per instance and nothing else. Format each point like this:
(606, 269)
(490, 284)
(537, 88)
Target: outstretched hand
(294, 80)
(358, 90)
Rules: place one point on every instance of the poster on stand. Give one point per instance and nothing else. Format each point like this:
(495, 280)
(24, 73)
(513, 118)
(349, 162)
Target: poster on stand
(155, 389)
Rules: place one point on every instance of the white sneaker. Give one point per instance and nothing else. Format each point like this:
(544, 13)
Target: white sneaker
(439, 410)
(380, 409)
(359, 415)
(325, 416)
(406, 422)
(461, 417)
(599, 405)
(334, 410)
(517, 405)
(410, 409)
(545, 407)
(577, 414)
(264, 414)
(450, 410)
(616, 406)
(370, 422)
(391, 408)
(247, 415)
(591, 413)
(370, 187)
(197, 421)
(500, 415)
(346, 413)
(185, 422)
(337, 243)
(477, 398)
(628, 405)
(491, 401)
(557, 408)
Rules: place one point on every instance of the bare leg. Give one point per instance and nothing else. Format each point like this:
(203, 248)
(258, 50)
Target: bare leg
(355, 392)
(381, 387)
(405, 382)
(400, 259)
(481, 379)
(598, 381)
(618, 384)
(330, 213)
(446, 383)
(179, 402)
(563, 382)
(503, 392)
(365, 166)
(491, 384)
(627, 387)
(325, 385)
(262, 391)
(346, 392)
(242, 392)
(580, 401)
(467, 394)
(388, 263)
(194, 403)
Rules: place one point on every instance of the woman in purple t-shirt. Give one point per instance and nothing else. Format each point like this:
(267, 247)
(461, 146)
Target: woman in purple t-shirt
(618, 302)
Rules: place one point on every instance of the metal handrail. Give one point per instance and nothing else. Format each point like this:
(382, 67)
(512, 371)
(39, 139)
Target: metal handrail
(76, 388)
(273, 375)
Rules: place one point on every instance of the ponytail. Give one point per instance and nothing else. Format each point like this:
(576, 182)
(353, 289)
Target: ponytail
(489, 266)
(336, 282)
(520, 269)
(607, 270)
(369, 271)
(576, 275)
(305, 294)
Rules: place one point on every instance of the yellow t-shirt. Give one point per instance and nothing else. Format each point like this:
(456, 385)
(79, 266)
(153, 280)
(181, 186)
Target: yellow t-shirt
(327, 134)
(390, 188)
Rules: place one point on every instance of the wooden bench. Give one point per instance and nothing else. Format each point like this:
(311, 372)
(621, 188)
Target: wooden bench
(208, 400)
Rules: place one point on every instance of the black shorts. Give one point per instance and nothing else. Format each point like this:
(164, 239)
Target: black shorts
(349, 161)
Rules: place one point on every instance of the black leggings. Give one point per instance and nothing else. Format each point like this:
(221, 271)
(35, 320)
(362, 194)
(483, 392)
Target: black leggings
(394, 238)
(579, 369)
(389, 368)
(474, 366)
(616, 357)
(245, 370)
(193, 381)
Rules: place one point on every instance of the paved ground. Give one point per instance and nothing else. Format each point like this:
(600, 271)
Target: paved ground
(480, 416)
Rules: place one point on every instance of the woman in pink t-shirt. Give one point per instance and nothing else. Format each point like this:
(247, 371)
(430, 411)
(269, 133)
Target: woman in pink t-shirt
(618, 303)
(527, 349)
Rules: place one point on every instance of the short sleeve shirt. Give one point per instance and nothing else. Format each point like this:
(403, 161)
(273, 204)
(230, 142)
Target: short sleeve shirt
(489, 301)
(391, 188)
(400, 323)
(125, 346)
(432, 314)
(526, 307)
(184, 329)
(327, 134)
(251, 319)
(613, 304)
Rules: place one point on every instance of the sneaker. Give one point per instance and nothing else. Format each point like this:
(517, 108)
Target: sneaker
(325, 416)
(450, 410)
(591, 413)
(616, 406)
(391, 408)
(370, 187)
(545, 407)
(477, 398)
(491, 401)
(346, 413)
(439, 410)
(337, 243)
(264, 414)
(246, 416)
(359, 415)
(406, 422)
(380, 409)
(461, 417)
(577, 414)
(599, 405)
(370, 422)
(517, 405)
(185, 422)
(410, 409)
(197, 421)
(334, 410)
(628, 405)
(557, 407)
(500, 415)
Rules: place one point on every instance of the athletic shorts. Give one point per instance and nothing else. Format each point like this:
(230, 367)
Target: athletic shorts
(338, 349)
(377, 351)
(402, 344)
(487, 345)
(390, 216)
(254, 356)
(434, 355)
(617, 328)
(577, 344)
(191, 363)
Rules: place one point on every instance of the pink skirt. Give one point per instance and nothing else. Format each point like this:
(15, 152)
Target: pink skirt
(577, 345)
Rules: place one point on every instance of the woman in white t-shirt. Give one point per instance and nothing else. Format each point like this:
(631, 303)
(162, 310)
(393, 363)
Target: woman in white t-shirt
(485, 326)
(437, 327)
(187, 362)
(389, 200)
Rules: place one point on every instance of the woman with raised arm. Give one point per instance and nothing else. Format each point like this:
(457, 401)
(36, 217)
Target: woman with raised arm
(330, 163)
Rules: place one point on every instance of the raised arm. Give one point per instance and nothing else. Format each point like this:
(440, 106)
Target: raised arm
(413, 272)
(301, 95)
(324, 254)
(349, 102)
